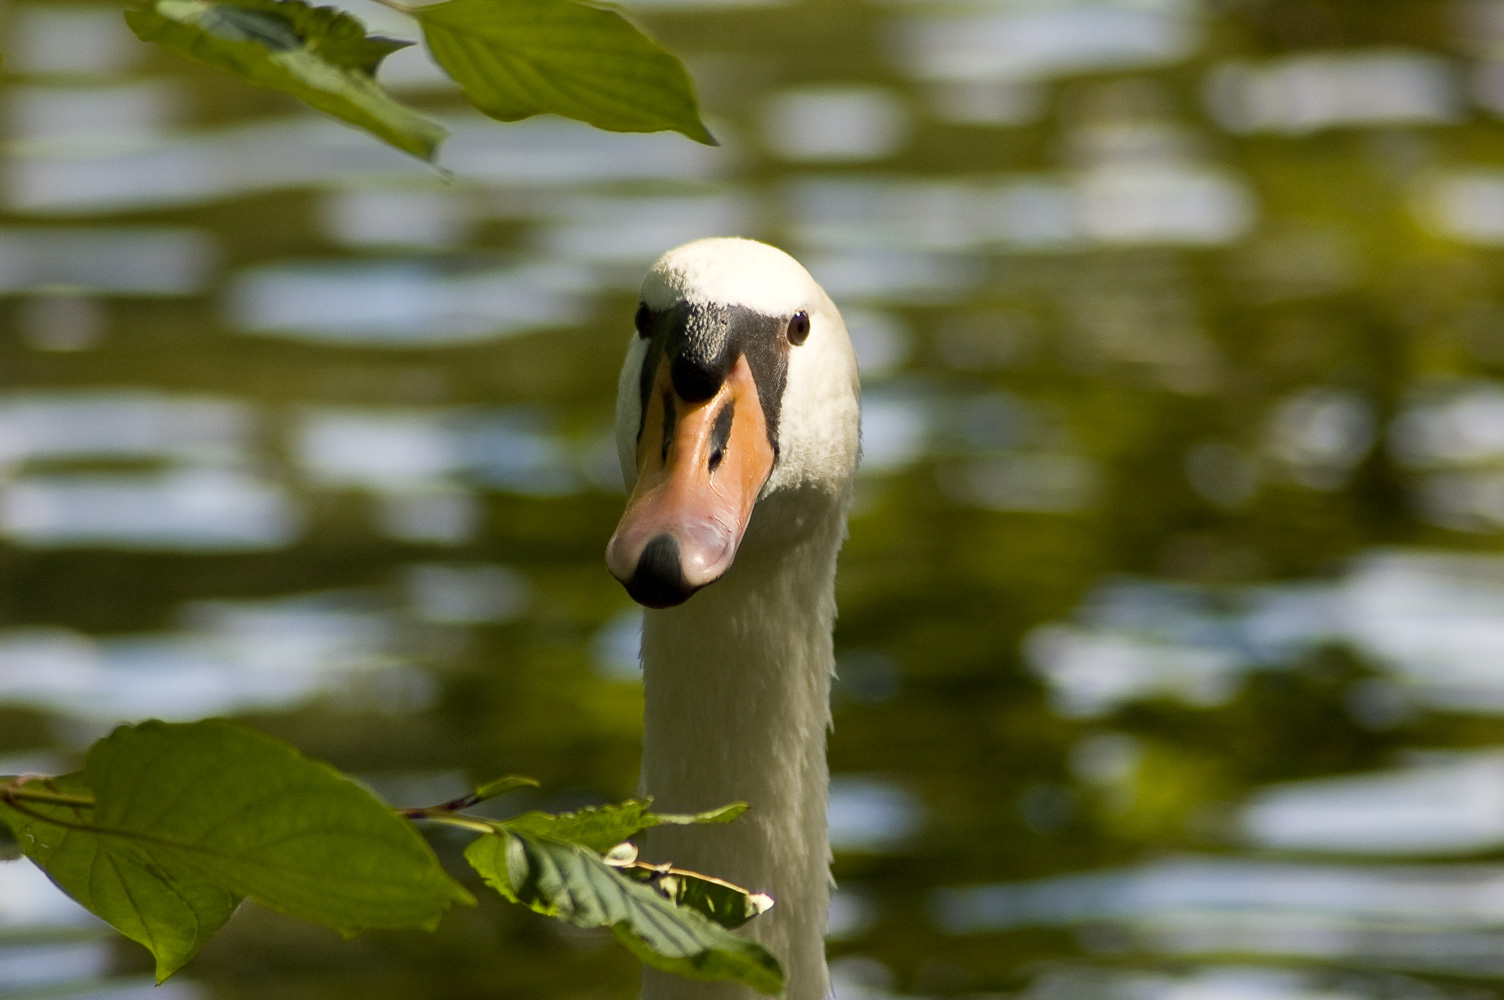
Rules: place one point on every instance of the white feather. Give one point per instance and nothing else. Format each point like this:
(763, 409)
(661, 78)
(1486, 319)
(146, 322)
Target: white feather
(730, 272)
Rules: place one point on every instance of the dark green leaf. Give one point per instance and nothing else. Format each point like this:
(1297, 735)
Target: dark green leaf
(168, 908)
(10, 850)
(727, 904)
(190, 817)
(519, 58)
(575, 884)
(601, 827)
(317, 54)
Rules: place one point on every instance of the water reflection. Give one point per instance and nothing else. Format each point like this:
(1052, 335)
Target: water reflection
(1453, 804)
(133, 988)
(882, 341)
(1433, 620)
(62, 321)
(1165, 203)
(228, 656)
(121, 261)
(894, 275)
(184, 510)
(466, 595)
(1309, 92)
(1217, 983)
(620, 236)
(871, 815)
(1465, 205)
(614, 650)
(1319, 434)
(409, 216)
(205, 498)
(395, 451)
(75, 38)
(1405, 918)
(986, 102)
(862, 978)
(122, 424)
(193, 168)
(835, 125)
(51, 947)
(404, 303)
(1044, 40)
(30, 966)
(894, 429)
(30, 900)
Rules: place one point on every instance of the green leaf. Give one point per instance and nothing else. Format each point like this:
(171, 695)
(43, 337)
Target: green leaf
(10, 850)
(168, 908)
(208, 812)
(517, 58)
(317, 54)
(723, 814)
(602, 827)
(574, 884)
(501, 786)
(727, 904)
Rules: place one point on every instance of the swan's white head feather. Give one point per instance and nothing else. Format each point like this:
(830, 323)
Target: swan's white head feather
(730, 272)
(819, 415)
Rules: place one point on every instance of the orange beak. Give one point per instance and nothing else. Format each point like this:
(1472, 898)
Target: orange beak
(700, 467)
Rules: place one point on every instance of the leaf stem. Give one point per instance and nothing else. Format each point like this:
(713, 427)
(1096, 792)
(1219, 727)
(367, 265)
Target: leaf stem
(13, 791)
(489, 790)
(438, 815)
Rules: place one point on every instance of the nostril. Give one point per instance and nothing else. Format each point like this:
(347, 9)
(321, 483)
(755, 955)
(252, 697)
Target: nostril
(720, 434)
(658, 581)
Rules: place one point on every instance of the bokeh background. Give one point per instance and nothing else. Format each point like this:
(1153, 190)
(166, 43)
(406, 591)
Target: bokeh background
(1172, 619)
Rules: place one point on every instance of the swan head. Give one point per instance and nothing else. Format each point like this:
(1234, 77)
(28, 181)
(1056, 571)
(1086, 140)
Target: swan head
(739, 384)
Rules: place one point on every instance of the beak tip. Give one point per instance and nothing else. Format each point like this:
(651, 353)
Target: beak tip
(658, 580)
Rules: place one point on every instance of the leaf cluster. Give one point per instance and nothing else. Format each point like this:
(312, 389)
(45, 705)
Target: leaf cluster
(511, 58)
(169, 827)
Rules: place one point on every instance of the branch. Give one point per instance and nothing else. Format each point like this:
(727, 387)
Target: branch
(17, 791)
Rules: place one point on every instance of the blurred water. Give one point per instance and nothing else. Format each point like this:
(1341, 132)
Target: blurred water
(1397, 918)
(1173, 610)
(1045, 40)
(1307, 93)
(119, 261)
(1430, 621)
(401, 304)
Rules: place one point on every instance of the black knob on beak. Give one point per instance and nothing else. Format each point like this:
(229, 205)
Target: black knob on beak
(658, 581)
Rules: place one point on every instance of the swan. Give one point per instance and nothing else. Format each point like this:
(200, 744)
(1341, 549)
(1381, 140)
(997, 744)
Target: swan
(737, 424)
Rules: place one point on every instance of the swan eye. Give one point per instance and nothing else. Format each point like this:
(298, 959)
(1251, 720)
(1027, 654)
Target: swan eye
(641, 320)
(799, 328)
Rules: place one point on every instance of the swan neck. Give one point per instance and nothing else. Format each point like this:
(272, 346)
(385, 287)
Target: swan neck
(737, 706)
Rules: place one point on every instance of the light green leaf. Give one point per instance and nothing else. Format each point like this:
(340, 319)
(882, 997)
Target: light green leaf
(575, 884)
(501, 786)
(317, 54)
(168, 908)
(602, 827)
(517, 58)
(188, 818)
(723, 814)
